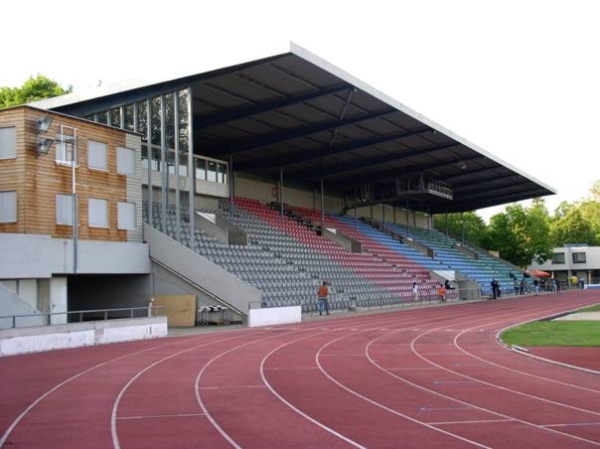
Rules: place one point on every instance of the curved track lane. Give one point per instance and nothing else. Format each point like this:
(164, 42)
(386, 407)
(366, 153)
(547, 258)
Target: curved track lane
(426, 378)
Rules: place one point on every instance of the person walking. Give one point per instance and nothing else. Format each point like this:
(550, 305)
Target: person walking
(415, 291)
(323, 298)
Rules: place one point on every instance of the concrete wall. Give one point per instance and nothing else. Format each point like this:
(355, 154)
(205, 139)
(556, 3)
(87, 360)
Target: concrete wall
(195, 269)
(36, 339)
(32, 256)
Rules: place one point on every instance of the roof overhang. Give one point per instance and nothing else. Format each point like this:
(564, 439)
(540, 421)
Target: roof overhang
(298, 115)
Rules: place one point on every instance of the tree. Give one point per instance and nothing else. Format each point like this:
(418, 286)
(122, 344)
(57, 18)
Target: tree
(572, 228)
(469, 224)
(521, 235)
(33, 89)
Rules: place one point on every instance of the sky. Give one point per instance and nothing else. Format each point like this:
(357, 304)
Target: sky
(520, 79)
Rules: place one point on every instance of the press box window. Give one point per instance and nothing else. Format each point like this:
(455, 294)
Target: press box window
(578, 257)
(558, 258)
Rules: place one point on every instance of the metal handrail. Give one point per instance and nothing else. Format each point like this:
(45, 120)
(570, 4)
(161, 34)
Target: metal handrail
(105, 315)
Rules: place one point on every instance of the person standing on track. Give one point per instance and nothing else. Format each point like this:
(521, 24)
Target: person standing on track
(323, 298)
(415, 290)
(442, 293)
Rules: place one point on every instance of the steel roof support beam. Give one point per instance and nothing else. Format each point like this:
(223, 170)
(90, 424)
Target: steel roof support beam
(278, 137)
(307, 156)
(236, 114)
(373, 161)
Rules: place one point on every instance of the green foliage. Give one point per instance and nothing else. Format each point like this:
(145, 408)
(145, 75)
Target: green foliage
(554, 333)
(470, 225)
(573, 228)
(521, 235)
(33, 89)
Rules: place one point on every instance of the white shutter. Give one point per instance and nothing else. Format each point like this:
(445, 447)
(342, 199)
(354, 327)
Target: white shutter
(97, 156)
(125, 161)
(97, 213)
(64, 209)
(8, 143)
(8, 207)
(126, 216)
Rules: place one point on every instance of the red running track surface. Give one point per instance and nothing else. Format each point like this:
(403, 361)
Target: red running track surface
(433, 377)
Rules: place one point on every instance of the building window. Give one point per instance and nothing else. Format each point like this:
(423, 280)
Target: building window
(97, 155)
(65, 150)
(558, 258)
(125, 161)
(8, 207)
(64, 209)
(578, 257)
(97, 213)
(126, 216)
(8, 143)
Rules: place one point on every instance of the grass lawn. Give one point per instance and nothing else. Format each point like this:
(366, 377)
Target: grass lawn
(556, 333)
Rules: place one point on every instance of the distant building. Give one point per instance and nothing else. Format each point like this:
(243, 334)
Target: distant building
(574, 259)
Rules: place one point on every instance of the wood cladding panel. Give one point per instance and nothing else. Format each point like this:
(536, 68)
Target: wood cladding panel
(39, 178)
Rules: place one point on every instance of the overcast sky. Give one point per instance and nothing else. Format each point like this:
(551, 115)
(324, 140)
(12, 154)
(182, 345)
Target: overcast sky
(520, 79)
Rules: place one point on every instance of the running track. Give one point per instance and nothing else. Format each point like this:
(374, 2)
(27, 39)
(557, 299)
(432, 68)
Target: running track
(424, 378)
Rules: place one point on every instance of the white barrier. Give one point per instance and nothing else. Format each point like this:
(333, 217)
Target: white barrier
(274, 315)
(46, 338)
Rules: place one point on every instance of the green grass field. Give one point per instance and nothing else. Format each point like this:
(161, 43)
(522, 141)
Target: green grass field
(556, 333)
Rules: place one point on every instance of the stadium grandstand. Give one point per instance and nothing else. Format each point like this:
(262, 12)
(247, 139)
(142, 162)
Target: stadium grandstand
(241, 188)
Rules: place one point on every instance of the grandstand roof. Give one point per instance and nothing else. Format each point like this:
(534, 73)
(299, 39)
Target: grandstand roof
(297, 111)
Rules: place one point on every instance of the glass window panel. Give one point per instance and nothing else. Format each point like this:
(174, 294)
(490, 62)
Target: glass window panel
(142, 120)
(183, 121)
(222, 173)
(98, 213)
(579, 257)
(170, 121)
(8, 143)
(102, 117)
(200, 169)
(115, 117)
(558, 258)
(65, 149)
(128, 117)
(211, 172)
(155, 115)
(145, 157)
(8, 207)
